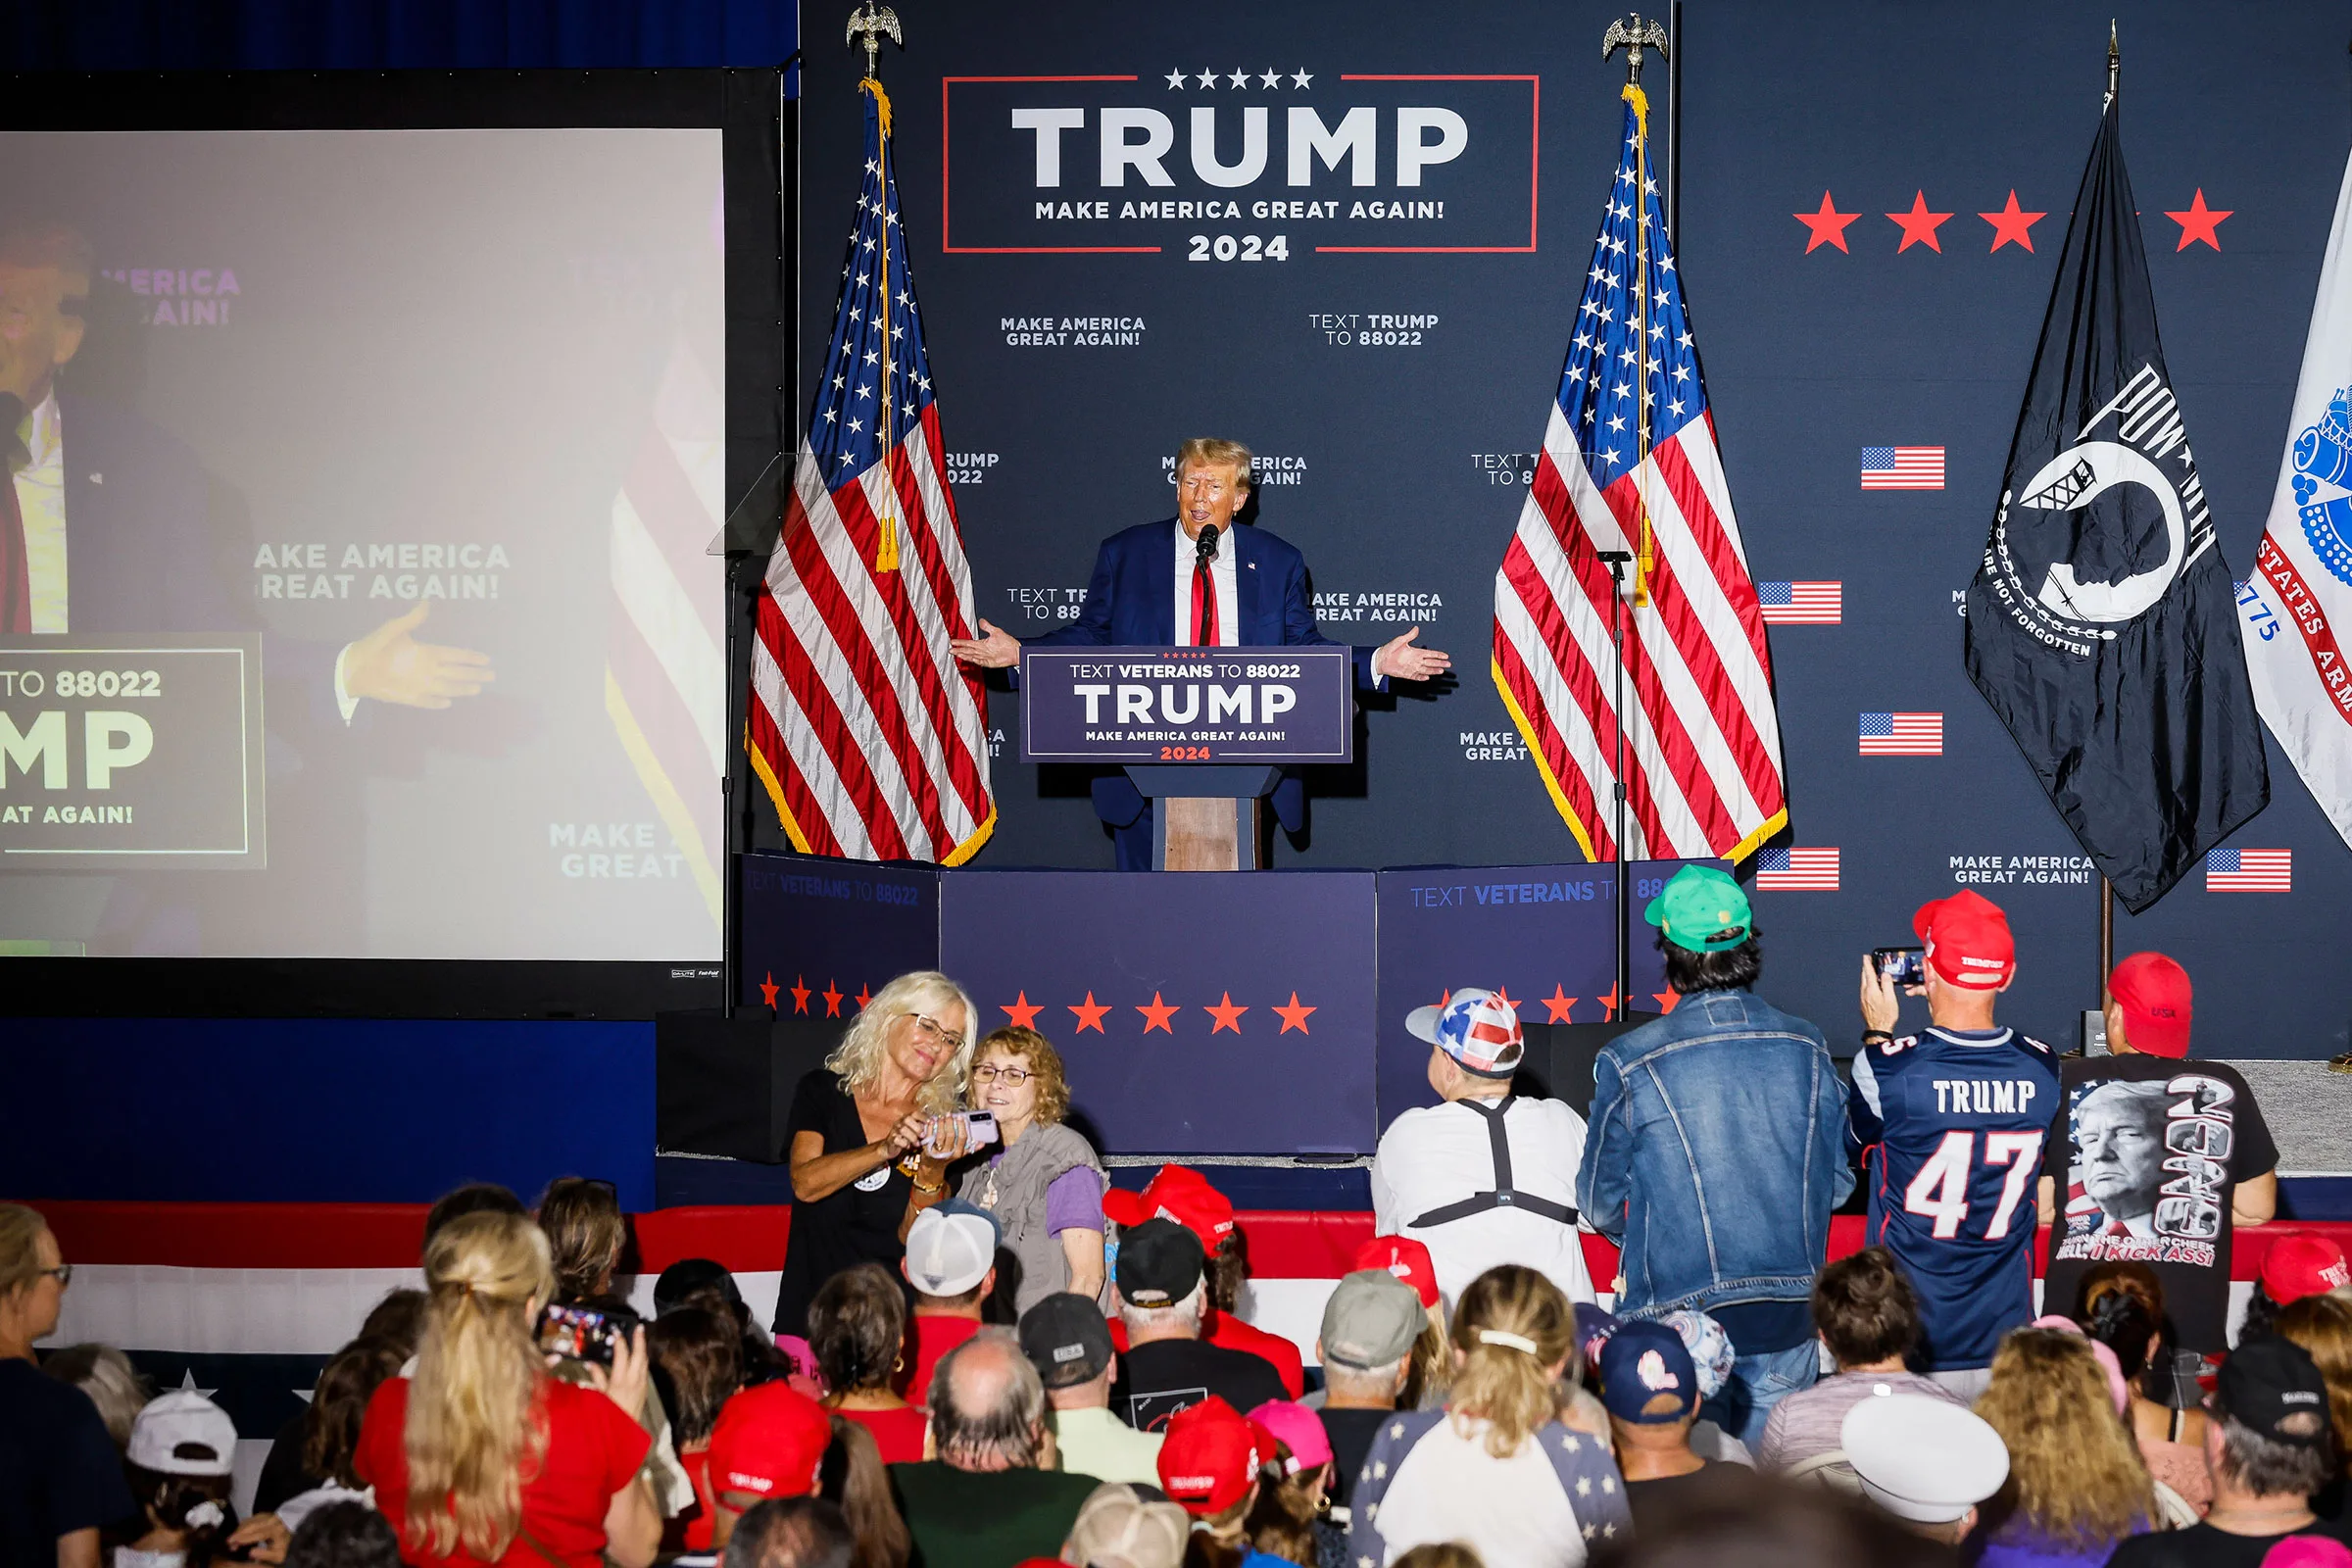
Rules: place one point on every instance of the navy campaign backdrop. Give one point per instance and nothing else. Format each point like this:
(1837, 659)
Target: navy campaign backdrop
(1351, 233)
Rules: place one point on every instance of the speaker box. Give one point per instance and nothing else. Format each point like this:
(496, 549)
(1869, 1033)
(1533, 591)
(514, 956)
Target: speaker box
(724, 1086)
(1558, 1065)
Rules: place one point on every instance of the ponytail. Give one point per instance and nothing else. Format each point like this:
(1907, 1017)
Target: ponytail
(471, 1433)
(1512, 1325)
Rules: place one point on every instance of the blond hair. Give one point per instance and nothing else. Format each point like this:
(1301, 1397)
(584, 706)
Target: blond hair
(863, 1051)
(2322, 1326)
(21, 1231)
(2075, 1470)
(1509, 1387)
(1209, 452)
(585, 1233)
(471, 1433)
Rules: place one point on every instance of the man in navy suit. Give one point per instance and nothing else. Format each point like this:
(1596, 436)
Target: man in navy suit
(1195, 581)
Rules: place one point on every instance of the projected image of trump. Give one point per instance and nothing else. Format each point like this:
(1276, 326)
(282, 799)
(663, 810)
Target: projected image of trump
(103, 527)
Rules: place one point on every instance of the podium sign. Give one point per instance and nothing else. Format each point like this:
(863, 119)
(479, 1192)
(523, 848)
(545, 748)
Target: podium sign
(130, 752)
(1188, 705)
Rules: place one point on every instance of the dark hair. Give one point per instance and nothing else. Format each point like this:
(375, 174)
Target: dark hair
(857, 1327)
(758, 1359)
(698, 1361)
(1688, 973)
(474, 1197)
(791, 1533)
(2267, 1467)
(1282, 1521)
(1729, 1514)
(399, 1318)
(851, 1476)
(2116, 1315)
(1865, 1309)
(167, 1498)
(586, 1232)
(331, 1427)
(2262, 1314)
(344, 1535)
(1227, 1267)
(688, 1276)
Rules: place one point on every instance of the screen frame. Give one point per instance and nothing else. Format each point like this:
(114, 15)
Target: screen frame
(760, 138)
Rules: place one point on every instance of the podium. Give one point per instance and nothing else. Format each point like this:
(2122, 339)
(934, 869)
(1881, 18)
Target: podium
(1204, 733)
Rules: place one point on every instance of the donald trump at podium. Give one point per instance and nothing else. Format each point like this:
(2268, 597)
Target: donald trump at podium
(1195, 581)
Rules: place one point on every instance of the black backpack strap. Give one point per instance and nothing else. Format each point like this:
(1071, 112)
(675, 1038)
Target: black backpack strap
(1502, 1194)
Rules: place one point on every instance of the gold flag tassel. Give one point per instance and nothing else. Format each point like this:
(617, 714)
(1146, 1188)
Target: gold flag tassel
(886, 519)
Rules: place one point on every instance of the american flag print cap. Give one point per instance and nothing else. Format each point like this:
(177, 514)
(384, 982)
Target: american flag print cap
(1475, 1028)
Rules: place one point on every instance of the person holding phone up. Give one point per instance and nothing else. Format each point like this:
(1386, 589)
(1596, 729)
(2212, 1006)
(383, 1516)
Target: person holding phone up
(871, 1134)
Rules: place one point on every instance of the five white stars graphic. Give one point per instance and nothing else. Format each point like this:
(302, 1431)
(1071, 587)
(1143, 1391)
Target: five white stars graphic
(1268, 77)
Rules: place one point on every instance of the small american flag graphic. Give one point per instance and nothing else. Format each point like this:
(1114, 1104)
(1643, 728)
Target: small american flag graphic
(2249, 870)
(1812, 870)
(1902, 467)
(1902, 734)
(1802, 603)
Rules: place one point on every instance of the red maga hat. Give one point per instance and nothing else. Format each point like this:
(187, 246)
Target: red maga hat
(1968, 939)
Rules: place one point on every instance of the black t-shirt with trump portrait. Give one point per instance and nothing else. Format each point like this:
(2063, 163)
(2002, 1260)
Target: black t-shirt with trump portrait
(2147, 1152)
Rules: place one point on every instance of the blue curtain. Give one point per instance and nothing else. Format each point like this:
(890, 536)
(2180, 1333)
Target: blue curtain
(391, 34)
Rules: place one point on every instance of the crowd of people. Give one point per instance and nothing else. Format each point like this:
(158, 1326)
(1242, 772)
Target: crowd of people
(983, 1356)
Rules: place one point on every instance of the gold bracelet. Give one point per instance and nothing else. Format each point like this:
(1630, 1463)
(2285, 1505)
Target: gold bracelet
(935, 1186)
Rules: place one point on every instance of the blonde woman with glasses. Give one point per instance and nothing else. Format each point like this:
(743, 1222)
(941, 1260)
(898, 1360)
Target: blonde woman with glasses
(1044, 1185)
(871, 1134)
(482, 1456)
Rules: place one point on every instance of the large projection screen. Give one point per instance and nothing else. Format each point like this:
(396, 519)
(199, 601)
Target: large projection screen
(366, 476)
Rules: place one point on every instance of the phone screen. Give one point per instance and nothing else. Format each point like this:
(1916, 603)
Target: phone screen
(577, 1334)
(1904, 967)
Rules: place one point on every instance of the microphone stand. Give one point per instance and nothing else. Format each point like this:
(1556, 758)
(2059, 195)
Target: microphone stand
(1618, 560)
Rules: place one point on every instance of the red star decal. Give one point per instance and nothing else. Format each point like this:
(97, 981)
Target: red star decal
(832, 1000)
(1667, 1000)
(1022, 1012)
(1828, 225)
(767, 990)
(2009, 224)
(1090, 1015)
(799, 994)
(2198, 223)
(1918, 224)
(1227, 1016)
(1608, 1001)
(1557, 1004)
(863, 997)
(1157, 1013)
(1293, 1016)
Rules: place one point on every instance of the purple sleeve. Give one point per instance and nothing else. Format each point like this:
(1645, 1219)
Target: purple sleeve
(1074, 1200)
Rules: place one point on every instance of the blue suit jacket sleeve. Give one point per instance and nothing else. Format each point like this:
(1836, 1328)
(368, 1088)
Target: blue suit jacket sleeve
(1298, 623)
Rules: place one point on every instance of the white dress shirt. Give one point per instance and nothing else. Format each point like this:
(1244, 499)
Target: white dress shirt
(1221, 573)
(42, 497)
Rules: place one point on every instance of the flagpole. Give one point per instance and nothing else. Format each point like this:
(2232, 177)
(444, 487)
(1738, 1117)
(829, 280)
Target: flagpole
(2115, 70)
(1632, 34)
(869, 25)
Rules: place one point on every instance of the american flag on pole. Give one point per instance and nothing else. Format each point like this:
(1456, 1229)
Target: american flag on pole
(1794, 870)
(1902, 467)
(872, 743)
(2249, 870)
(1702, 741)
(1802, 603)
(1902, 735)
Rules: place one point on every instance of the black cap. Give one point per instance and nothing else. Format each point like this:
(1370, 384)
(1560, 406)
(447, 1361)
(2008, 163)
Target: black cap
(1160, 1263)
(2272, 1387)
(1065, 1338)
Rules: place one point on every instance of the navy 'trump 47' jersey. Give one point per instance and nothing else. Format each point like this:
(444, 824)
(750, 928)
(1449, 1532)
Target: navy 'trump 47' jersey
(1950, 1123)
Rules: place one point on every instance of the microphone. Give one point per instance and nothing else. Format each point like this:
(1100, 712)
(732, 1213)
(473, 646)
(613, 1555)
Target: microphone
(1205, 548)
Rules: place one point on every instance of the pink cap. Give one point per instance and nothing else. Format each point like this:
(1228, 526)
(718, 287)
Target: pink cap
(2117, 1389)
(1301, 1431)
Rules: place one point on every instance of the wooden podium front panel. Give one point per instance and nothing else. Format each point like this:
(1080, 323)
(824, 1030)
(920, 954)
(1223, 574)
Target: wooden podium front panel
(1204, 833)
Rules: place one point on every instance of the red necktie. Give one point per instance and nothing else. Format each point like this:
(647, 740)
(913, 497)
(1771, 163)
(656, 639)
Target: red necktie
(16, 572)
(1204, 606)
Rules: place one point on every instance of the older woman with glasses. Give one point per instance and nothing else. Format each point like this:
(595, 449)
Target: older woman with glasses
(1045, 1186)
(871, 1134)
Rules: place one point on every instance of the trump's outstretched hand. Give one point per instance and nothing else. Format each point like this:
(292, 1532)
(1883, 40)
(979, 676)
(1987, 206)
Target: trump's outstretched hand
(991, 650)
(1399, 660)
(390, 665)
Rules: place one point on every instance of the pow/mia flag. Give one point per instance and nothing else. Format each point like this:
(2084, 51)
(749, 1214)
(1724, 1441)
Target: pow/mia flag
(2101, 625)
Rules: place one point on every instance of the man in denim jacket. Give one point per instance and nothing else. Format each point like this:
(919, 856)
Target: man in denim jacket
(1717, 1149)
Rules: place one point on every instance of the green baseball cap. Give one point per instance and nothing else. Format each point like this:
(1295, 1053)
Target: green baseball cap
(1697, 902)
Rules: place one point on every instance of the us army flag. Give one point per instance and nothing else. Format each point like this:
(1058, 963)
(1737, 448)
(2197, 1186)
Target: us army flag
(2296, 607)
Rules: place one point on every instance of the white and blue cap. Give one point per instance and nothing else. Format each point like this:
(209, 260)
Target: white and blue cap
(950, 1247)
(1477, 1028)
(1921, 1459)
